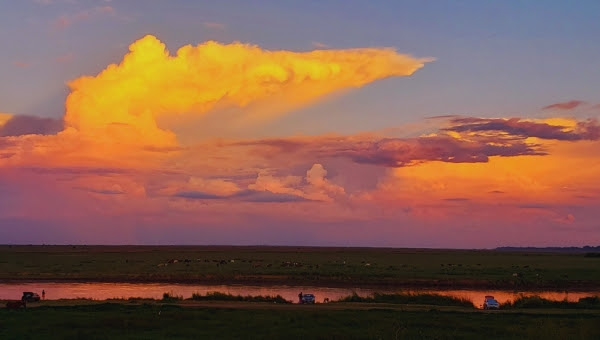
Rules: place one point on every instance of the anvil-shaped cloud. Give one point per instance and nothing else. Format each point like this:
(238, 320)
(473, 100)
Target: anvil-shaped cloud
(149, 83)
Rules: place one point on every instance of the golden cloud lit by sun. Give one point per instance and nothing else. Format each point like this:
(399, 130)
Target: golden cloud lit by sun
(126, 99)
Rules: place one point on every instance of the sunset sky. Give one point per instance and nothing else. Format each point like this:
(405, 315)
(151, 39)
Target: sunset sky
(459, 124)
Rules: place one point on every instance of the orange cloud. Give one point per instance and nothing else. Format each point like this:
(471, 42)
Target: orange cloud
(567, 173)
(150, 83)
(4, 117)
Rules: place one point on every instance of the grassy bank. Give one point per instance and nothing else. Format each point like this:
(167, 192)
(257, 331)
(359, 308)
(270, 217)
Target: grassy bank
(217, 296)
(302, 265)
(538, 302)
(422, 299)
(153, 321)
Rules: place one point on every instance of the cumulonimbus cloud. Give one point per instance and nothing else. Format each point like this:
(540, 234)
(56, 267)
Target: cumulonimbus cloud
(126, 99)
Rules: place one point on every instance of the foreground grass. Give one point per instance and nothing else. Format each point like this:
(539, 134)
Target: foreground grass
(155, 321)
(423, 299)
(302, 265)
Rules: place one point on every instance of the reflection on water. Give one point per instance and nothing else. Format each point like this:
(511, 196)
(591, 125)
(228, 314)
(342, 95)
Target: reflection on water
(103, 291)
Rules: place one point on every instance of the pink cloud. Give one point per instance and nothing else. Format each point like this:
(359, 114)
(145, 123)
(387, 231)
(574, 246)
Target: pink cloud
(21, 64)
(319, 45)
(68, 20)
(569, 105)
(65, 58)
(213, 25)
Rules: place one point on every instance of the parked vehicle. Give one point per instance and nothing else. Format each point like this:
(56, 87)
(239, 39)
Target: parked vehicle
(490, 303)
(308, 298)
(30, 297)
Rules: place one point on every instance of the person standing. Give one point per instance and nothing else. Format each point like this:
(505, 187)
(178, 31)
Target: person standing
(300, 297)
(43, 294)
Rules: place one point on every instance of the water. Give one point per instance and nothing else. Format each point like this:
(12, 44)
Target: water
(103, 291)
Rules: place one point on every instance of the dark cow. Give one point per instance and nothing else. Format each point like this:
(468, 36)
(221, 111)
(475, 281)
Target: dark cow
(15, 304)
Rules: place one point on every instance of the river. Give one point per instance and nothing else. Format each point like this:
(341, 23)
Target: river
(103, 291)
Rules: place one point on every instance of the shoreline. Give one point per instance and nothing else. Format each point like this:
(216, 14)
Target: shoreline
(577, 286)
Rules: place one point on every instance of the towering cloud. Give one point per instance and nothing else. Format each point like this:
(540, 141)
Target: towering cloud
(126, 99)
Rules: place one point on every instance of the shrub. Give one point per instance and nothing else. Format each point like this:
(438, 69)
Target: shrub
(539, 302)
(410, 298)
(218, 296)
(169, 297)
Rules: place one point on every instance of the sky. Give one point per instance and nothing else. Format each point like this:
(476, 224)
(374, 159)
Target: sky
(464, 124)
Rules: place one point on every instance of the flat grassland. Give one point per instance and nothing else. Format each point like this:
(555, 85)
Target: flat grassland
(231, 320)
(357, 267)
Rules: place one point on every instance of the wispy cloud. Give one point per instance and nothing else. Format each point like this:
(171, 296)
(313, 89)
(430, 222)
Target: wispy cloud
(67, 57)
(21, 64)
(67, 20)
(582, 130)
(52, 2)
(213, 25)
(569, 105)
(318, 44)
(116, 190)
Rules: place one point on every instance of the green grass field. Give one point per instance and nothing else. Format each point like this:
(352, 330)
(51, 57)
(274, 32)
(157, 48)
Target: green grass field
(263, 321)
(301, 265)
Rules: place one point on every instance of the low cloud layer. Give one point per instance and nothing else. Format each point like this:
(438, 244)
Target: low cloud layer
(18, 125)
(582, 130)
(467, 140)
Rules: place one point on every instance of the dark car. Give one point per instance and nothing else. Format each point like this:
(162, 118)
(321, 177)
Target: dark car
(490, 303)
(308, 298)
(30, 297)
